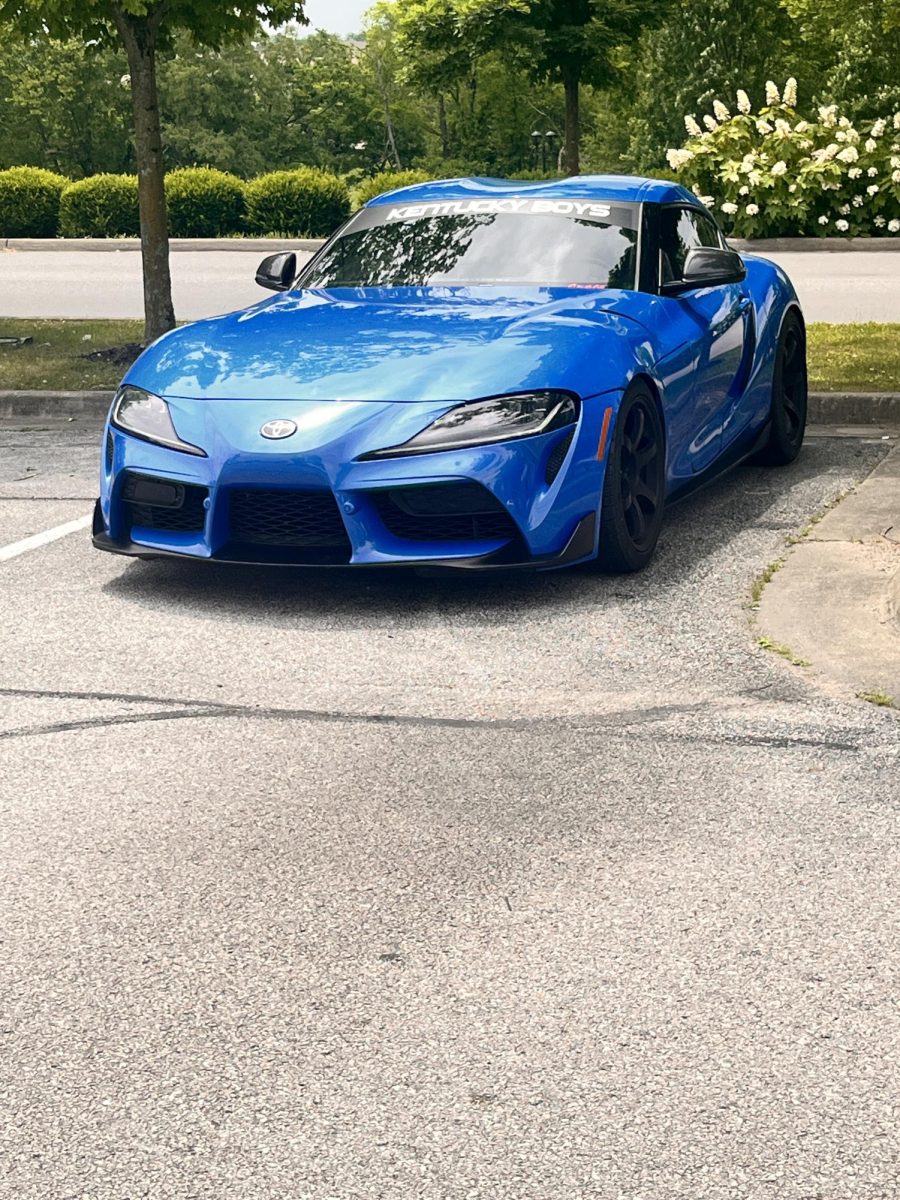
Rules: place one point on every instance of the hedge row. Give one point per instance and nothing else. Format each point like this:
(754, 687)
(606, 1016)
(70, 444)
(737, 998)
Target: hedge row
(201, 202)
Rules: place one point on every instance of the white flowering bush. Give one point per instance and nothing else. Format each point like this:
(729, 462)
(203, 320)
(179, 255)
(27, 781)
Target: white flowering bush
(774, 173)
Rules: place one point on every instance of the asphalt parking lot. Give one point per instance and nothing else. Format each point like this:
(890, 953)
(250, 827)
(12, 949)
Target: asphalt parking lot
(338, 885)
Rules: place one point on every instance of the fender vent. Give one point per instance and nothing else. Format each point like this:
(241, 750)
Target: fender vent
(557, 457)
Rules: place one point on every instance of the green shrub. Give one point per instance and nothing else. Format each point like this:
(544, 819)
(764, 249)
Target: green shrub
(385, 181)
(100, 206)
(300, 203)
(29, 202)
(203, 202)
(769, 174)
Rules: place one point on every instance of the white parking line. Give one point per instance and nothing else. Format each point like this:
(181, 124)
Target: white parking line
(14, 549)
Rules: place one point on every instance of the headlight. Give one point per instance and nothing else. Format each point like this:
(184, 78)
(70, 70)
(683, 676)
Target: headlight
(148, 417)
(497, 419)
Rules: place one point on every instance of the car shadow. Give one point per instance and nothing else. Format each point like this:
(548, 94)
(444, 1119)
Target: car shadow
(695, 530)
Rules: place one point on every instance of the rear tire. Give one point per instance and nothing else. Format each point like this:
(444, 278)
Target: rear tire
(789, 396)
(634, 489)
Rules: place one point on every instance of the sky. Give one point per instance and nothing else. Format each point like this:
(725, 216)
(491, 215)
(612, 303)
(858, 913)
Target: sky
(337, 16)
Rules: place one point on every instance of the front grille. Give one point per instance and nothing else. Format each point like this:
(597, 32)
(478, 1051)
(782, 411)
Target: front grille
(155, 503)
(292, 519)
(444, 512)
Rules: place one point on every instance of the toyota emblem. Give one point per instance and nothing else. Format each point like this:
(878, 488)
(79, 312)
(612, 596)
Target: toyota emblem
(278, 429)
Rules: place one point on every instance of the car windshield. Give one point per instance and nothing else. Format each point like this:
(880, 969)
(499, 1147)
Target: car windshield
(563, 243)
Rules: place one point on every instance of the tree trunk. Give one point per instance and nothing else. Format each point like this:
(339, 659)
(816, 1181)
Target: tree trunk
(139, 37)
(572, 130)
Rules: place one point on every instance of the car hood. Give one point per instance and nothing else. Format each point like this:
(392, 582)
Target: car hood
(403, 344)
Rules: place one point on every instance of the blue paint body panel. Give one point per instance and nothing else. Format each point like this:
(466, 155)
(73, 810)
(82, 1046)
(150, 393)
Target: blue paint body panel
(358, 370)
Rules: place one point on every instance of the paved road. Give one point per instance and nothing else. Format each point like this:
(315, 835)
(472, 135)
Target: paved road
(377, 887)
(832, 286)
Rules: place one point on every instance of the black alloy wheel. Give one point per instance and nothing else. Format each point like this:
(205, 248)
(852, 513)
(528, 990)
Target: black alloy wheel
(634, 491)
(789, 388)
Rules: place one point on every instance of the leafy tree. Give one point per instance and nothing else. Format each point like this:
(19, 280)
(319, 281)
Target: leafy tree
(143, 27)
(64, 107)
(862, 46)
(704, 49)
(572, 42)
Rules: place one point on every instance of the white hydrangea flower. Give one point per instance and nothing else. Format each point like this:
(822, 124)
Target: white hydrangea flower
(744, 191)
(826, 154)
(872, 172)
(678, 158)
(844, 210)
(895, 160)
(754, 178)
(801, 127)
(828, 115)
(763, 127)
(871, 145)
(751, 210)
(872, 189)
(897, 120)
(843, 226)
(854, 173)
(779, 168)
(711, 124)
(879, 127)
(844, 122)
(790, 93)
(692, 127)
(743, 101)
(782, 127)
(849, 154)
(880, 222)
(823, 220)
(721, 111)
(858, 202)
(729, 208)
(773, 96)
(841, 135)
(708, 201)
(895, 176)
(792, 187)
(894, 226)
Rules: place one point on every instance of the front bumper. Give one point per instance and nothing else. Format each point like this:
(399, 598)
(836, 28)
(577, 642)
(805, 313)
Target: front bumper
(580, 546)
(543, 491)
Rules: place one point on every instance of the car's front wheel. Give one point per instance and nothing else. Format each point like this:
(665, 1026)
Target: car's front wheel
(634, 490)
(788, 413)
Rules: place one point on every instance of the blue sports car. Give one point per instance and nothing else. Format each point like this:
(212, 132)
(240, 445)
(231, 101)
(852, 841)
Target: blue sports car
(474, 373)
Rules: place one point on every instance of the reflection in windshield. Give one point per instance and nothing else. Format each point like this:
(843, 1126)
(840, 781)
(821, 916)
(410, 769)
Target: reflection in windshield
(479, 248)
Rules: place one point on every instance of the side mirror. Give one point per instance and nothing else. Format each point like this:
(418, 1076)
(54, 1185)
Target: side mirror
(707, 266)
(277, 272)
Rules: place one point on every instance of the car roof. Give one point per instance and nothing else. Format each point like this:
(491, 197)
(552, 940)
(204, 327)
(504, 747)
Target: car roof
(624, 188)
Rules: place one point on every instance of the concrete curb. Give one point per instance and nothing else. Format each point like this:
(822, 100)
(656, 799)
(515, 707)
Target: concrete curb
(832, 604)
(825, 408)
(816, 245)
(261, 244)
(255, 245)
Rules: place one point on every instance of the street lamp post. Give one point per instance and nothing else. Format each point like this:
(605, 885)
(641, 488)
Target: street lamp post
(544, 142)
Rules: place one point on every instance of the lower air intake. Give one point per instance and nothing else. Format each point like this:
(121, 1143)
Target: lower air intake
(287, 526)
(445, 512)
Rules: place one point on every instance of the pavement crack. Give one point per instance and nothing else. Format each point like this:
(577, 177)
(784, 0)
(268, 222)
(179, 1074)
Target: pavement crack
(619, 720)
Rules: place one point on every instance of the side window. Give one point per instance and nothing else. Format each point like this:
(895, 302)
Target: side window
(681, 230)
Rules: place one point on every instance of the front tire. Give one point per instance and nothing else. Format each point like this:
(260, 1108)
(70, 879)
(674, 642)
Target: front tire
(634, 490)
(789, 396)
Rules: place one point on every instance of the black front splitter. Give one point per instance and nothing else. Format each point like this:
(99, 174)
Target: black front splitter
(579, 546)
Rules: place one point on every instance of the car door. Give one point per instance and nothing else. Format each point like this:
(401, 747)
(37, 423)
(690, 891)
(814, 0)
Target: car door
(719, 321)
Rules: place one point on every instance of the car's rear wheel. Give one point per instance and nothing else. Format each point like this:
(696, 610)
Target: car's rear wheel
(788, 413)
(634, 490)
